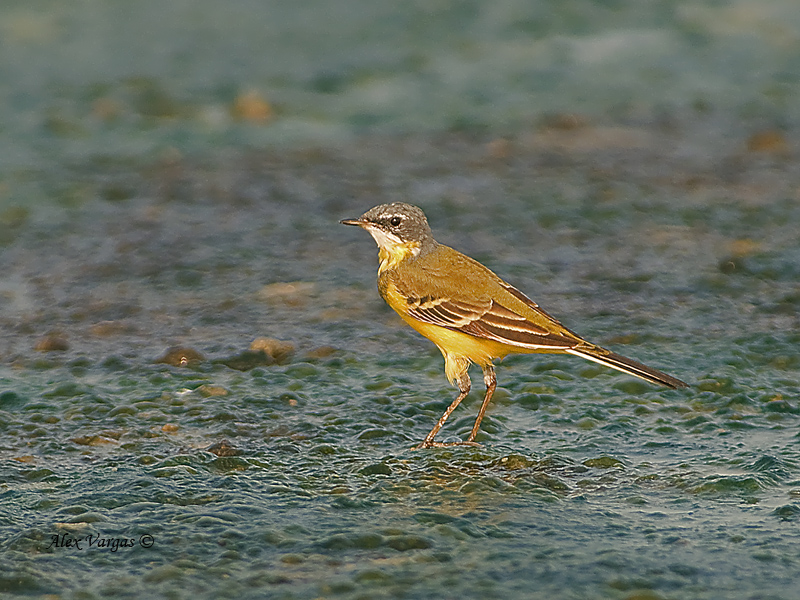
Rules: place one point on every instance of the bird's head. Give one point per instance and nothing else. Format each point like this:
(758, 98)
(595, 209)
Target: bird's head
(395, 226)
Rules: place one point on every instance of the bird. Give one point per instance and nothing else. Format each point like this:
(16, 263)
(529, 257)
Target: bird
(471, 314)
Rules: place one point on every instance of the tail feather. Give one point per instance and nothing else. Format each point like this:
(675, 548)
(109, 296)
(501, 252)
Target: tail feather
(626, 365)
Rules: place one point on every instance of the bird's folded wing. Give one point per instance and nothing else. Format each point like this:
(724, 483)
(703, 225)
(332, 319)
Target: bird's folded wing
(490, 320)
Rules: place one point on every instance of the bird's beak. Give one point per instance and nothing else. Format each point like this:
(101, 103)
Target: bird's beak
(383, 238)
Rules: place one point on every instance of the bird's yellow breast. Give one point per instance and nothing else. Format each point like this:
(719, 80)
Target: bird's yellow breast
(391, 256)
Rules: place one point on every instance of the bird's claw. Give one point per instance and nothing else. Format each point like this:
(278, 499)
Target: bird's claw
(431, 444)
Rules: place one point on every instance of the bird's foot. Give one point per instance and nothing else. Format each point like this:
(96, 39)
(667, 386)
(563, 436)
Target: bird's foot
(431, 444)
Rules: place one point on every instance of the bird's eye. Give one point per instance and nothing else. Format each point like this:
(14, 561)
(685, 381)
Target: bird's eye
(395, 221)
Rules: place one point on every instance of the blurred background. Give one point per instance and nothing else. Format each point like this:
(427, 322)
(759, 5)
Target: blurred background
(132, 80)
(192, 348)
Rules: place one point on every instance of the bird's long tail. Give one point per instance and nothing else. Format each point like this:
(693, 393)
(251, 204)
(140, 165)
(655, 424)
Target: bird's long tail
(626, 365)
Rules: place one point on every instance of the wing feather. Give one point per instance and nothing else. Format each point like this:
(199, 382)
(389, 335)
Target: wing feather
(489, 320)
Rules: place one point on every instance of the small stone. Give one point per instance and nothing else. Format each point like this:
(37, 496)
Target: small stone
(292, 293)
(179, 356)
(251, 106)
(321, 352)
(499, 148)
(14, 217)
(92, 440)
(169, 428)
(106, 109)
(244, 361)
(743, 247)
(564, 121)
(732, 265)
(52, 342)
(376, 469)
(770, 142)
(276, 349)
(603, 462)
(403, 543)
(223, 448)
(110, 328)
(212, 390)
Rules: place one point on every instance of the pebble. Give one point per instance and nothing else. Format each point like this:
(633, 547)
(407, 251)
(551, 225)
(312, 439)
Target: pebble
(52, 342)
(223, 448)
(179, 356)
(276, 349)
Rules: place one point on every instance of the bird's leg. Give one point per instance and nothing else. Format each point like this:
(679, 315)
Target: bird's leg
(464, 385)
(491, 383)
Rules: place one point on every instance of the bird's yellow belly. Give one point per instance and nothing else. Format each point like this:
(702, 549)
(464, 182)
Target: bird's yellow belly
(459, 344)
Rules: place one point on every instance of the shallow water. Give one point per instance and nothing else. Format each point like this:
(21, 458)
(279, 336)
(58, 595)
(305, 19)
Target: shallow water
(665, 230)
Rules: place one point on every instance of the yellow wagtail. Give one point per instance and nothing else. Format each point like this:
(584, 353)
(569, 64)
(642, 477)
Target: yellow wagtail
(466, 310)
